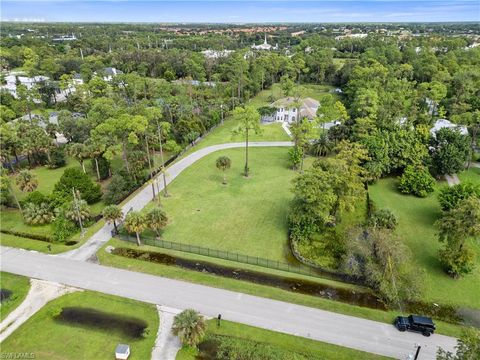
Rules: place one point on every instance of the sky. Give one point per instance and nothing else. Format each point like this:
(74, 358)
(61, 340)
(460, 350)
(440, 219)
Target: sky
(246, 11)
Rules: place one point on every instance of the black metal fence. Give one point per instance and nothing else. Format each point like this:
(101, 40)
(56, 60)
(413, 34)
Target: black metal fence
(224, 255)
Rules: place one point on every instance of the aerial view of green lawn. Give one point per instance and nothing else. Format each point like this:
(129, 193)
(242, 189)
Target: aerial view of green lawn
(87, 325)
(416, 218)
(14, 289)
(248, 215)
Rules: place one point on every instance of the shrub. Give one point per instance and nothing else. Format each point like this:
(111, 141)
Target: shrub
(119, 188)
(63, 228)
(230, 348)
(416, 180)
(383, 218)
(57, 158)
(36, 198)
(77, 209)
(26, 181)
(450, 196)
(75, 178)
(27, 235)
(38, 214)
(295, 156)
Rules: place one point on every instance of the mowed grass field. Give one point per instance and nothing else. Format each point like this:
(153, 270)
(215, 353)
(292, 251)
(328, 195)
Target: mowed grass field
(471, 175)
(288, 343)
(19, 286)
(416, 218)
(248, 215)
(51, 339)
(270, 132)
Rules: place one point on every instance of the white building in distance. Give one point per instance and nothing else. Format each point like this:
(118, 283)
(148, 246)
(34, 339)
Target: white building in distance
(12, 80)
(287, 112)
(216, 54)
(264, 46)
(444, 123)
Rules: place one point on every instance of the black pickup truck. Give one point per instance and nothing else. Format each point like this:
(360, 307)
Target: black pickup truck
(416, 323)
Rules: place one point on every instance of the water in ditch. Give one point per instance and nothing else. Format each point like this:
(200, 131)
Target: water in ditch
(360, 298)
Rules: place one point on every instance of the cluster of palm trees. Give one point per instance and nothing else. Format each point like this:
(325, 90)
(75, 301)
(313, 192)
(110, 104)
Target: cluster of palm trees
(136, 222)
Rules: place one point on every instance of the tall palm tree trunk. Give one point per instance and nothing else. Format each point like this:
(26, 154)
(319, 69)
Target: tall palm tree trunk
(138, 238)
(96, 168)
(246, 154)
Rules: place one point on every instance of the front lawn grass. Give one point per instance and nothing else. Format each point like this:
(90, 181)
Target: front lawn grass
(311, 349)
(248, 215)
(48, 338)
(472, 176)
(19, 286)
(416, 218)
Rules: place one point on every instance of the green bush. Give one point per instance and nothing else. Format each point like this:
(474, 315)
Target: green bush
(119, 188)
(27, 235)
(383, 218)
(37, 214)
(75, 178)
(63, 228)
(416, 180)
(35, 197)
(230, 348)
(57, 158)
(450, 196)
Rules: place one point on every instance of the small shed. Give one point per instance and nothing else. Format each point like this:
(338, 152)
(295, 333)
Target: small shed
(122, 352)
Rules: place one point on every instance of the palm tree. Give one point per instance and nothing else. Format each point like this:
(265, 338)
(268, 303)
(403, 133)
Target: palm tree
(27, 181)
(322, 146)
(189, 326)
(156, 220)
(38, 214)
(223, 163)
(112, 214)
(135, 222)
(78, 211)
(249, 119)
(80, 153)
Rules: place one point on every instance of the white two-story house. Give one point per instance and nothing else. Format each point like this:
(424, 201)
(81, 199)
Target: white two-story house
(287, 110)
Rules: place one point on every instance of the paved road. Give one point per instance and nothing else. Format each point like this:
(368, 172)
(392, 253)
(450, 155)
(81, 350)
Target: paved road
(303, 321)
(144, 196)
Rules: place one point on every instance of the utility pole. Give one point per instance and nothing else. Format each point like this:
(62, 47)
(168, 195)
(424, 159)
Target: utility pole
(77, 210)
(418, 352)
(150, 166)
(165, 192)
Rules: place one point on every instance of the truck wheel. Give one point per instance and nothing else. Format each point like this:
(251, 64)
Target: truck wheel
(426, 333)
(402, 329)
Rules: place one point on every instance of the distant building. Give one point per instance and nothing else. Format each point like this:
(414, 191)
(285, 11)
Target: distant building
(13, 80)
(264, 46)
(65, 38)
(194, 82)
(297, 33)
(444, 123)
(287, 112)
(108, 73)
(216, 54)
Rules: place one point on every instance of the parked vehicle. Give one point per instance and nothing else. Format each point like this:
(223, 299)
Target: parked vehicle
(415, 323)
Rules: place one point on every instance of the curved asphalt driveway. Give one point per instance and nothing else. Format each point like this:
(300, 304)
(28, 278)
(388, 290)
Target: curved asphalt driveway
(144, 196)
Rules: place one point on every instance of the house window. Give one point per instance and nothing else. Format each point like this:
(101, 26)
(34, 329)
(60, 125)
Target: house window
(293, 118)
(294, 110)
(281, 109)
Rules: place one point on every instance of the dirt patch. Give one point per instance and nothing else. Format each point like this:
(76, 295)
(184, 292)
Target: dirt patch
(5, 294)
(129, 326)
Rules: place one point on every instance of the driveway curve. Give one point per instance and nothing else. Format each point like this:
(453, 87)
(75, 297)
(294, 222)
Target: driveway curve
(142, 197)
